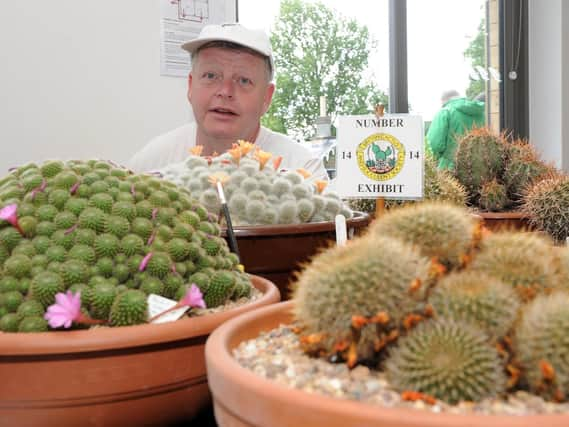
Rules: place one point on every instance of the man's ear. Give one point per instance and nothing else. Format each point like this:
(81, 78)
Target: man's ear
(268, 97)
(189, 95)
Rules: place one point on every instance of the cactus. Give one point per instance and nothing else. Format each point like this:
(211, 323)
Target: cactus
(546, 203)
(257, 193)
(526, 261)
(449, 360)
(480, 157)
(523, 168)
(473, 297)
(88, 225)
(493, 196)
(347, 281)
(541, 345)
(439, 230)
(439, 185)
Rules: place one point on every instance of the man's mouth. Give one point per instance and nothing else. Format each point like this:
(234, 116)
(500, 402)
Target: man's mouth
(223, 111)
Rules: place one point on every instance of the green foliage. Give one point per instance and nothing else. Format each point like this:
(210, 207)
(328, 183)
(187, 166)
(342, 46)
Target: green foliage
(476, 52)
(318, 53)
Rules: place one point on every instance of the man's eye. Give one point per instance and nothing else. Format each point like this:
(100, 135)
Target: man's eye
(209, 75)
(244, 81)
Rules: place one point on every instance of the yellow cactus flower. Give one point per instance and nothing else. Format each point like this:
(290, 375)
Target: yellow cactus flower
(245, 146)
(305, 174)
(320, 185)
(218, 177)
(263, 157)
(196, 150)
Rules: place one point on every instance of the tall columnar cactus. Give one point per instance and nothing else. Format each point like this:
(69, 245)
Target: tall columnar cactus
(546, 203)
(368, 276)
(541, 345)
(480, 157)
(486, 302)
(449, 360)
(526, 261)
(439, 230)
(98, 228)
(257, 192)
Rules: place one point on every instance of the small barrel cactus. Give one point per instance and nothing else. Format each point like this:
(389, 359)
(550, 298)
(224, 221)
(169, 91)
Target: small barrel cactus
(480, 157)
(525, 261)
(96, 228)
(439, 230)
(368, 276)
(473, 297)
(546, 203)
(493, 196)
(449, 360)
(541, 345)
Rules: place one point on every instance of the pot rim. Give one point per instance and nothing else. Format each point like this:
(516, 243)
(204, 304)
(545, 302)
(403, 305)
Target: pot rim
(223, 370)
(98, 339)
(360, 219)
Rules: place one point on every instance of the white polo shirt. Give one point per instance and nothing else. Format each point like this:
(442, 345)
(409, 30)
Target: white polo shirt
(174, 146)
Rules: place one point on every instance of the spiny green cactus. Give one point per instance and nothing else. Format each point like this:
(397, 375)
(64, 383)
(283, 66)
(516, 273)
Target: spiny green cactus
(546, 203)
(87, 226)
(480, 157)
(526, 261)
(523, 167)
(369, 275)
(439, 230)
(449, 360)
(493, 196)
(474, 297)
(541, 345)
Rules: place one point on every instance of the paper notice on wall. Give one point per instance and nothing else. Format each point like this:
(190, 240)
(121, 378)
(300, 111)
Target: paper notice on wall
(182, 21)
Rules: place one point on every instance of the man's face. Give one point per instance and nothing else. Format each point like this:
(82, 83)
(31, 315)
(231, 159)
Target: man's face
(229, 92)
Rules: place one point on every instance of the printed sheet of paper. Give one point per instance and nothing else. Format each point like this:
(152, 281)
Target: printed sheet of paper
(182, 21)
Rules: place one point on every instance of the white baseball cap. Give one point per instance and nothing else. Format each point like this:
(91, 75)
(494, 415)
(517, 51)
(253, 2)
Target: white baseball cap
(256, 40)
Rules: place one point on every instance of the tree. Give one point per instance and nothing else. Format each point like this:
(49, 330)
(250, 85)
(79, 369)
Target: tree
(318, 52)
(476, 53)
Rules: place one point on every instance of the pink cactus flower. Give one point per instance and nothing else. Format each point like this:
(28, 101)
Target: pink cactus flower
(193, 297)
(144, 262)
(67, 310)
(9, 213)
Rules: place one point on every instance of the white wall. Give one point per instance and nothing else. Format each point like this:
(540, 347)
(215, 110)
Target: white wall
(549, 79)
(81, 79)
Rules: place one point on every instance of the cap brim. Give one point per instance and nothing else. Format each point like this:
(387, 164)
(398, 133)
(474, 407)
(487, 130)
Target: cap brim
(193, 45)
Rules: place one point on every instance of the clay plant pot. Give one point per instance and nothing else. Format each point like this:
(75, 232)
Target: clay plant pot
(505, 221)
(141, 375)
(244, 399)
(276, 252)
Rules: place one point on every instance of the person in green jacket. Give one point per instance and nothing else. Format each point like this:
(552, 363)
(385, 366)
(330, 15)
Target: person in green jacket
(456, 116)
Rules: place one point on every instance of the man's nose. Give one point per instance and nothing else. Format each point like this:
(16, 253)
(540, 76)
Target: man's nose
(226, 88)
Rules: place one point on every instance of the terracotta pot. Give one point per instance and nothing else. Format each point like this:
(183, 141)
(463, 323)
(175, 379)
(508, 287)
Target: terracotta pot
(276, 252)
(505, 220)
(128, 376)
(242, 398)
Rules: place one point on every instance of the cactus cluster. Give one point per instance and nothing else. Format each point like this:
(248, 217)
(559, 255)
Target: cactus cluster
(435, 301)
(438, 185)
(257, 192)
(496, 172)
(95, 228)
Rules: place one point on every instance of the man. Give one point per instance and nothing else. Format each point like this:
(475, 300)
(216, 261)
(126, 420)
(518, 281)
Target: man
(457, 116)
(229, 88)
